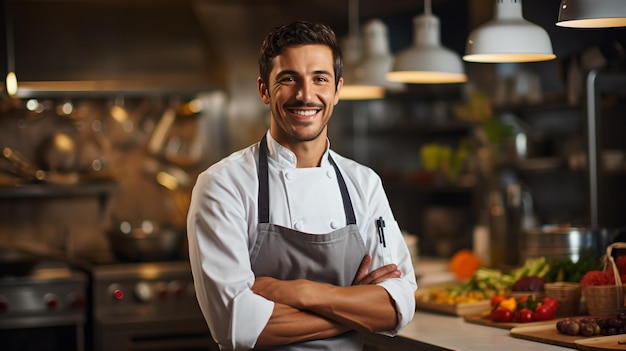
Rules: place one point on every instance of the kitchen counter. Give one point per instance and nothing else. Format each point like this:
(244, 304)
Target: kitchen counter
(431, 331)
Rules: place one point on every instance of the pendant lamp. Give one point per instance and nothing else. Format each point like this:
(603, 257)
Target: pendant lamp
(508, 38)
(11, 78)
(352, 88)
(377, 59)
(592, 13)
(427, 61)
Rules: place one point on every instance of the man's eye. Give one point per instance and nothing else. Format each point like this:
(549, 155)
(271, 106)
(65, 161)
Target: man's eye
(321, 79)
(288, 79)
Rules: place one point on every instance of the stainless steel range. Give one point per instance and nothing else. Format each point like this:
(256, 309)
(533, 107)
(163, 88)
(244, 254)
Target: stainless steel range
(44, 310)
(146, 306)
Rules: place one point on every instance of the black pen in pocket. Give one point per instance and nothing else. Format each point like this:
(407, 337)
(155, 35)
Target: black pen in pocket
(380, 224)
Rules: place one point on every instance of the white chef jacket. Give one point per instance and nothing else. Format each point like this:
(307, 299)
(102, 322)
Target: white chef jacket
(222, 229)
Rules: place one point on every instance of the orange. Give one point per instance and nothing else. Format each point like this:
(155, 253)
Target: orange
(463, 264)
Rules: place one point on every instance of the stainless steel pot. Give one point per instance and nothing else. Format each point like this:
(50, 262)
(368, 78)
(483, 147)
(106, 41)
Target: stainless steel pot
(563, 241)
(146, 242)
(15, 262)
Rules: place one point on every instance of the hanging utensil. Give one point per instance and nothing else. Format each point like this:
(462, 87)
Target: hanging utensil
(160, 133)
(24, 168)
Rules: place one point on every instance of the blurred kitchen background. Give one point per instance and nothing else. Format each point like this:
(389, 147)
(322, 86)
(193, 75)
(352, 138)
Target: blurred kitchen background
(120, 104)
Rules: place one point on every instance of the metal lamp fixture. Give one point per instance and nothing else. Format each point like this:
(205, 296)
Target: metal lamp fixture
(11, 78)
(508, 38)
(353, 87)
(592, 13)
(377, 59)
(427, 61)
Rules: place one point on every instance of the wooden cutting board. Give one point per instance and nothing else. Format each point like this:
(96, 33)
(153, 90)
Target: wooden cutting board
(602, 343)
(545, 333)
(460, 309)
(482, 320)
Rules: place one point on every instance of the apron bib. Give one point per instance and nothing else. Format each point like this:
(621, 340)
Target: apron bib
(287, 254)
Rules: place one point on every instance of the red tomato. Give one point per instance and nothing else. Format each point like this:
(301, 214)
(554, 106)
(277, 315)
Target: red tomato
(547, 301)
(545, 312)
(525, 315)
(501, 314)
(495, 301)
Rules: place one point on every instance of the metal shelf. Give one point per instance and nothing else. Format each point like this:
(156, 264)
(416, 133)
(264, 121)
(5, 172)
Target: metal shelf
(40, 190)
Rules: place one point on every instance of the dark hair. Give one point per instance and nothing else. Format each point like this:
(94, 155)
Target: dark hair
(297, 33)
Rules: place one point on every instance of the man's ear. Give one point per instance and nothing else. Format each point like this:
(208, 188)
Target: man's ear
(263, 91)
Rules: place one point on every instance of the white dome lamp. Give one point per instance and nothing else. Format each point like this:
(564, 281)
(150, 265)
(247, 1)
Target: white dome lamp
(377, 59)
(592, 13)
(354, 88)
(508, 38)
(427, 61)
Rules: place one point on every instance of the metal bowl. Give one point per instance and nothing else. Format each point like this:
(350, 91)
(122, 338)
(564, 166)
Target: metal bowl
(563, 241)
(146, 242)
(15, 262)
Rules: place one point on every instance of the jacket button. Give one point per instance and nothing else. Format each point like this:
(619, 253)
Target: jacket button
(334, 224)
(298, 225)
(289, 175)
(330, 174)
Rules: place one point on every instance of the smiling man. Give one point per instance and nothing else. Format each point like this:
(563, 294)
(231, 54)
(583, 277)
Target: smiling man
(292, 246)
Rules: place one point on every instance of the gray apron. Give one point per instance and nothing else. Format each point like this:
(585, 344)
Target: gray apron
(287, 254)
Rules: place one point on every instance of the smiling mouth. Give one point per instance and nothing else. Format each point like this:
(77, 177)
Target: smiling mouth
(304, 113)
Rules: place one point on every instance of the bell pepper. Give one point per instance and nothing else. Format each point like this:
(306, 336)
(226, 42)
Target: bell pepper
(510, 304)
(547, 310)
(525, 315)
(501, 314)
(528, 301)
(496, 299)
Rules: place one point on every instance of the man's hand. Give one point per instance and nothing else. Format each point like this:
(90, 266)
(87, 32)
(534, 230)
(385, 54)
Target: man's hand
(363, 306)
(381, 274)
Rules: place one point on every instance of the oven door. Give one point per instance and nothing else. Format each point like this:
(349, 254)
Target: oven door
(53, 338)
(179, 335)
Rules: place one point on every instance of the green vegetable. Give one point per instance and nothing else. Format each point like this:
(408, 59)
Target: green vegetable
(535, 267)
(565, 270)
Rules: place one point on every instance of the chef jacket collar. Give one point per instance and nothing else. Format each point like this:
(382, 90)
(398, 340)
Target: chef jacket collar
(286, 157)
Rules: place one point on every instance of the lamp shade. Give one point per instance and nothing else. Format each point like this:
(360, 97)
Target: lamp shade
(356, 86)
(592, 13)
(508, 38)
(353, 88)
(426, 61)
(377, 59)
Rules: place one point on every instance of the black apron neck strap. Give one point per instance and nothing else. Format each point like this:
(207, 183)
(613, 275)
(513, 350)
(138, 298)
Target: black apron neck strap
(263, 196)
(345, 196)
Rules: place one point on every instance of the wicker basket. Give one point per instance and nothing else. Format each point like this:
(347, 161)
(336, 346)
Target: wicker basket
(605, 300)
(568, 295)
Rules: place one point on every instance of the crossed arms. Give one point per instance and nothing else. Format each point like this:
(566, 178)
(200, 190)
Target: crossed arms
(307, 310)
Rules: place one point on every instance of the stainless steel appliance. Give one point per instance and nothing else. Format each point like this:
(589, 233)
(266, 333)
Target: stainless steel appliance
(146, 306)
(44, 309)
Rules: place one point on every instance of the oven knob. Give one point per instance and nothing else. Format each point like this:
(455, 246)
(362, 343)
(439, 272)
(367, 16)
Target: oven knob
(4, 304)
(76, 301)
(51, 301)
(116, 292)
(161, 289)
(176, 289)
(143, 292)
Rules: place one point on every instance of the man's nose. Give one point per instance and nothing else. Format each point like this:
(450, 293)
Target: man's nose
(304, 91)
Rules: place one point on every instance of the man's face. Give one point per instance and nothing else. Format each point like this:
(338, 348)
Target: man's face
(301, 93)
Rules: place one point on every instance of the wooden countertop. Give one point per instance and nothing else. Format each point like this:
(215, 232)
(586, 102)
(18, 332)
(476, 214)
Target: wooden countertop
(432, 331)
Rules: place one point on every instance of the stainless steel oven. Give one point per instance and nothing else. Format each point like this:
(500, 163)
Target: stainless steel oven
(43, 310)
(147, 306)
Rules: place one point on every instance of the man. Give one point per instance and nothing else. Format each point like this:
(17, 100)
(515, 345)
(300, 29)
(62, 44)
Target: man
(293, 246)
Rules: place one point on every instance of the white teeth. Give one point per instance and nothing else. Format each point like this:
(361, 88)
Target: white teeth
(305, 112)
